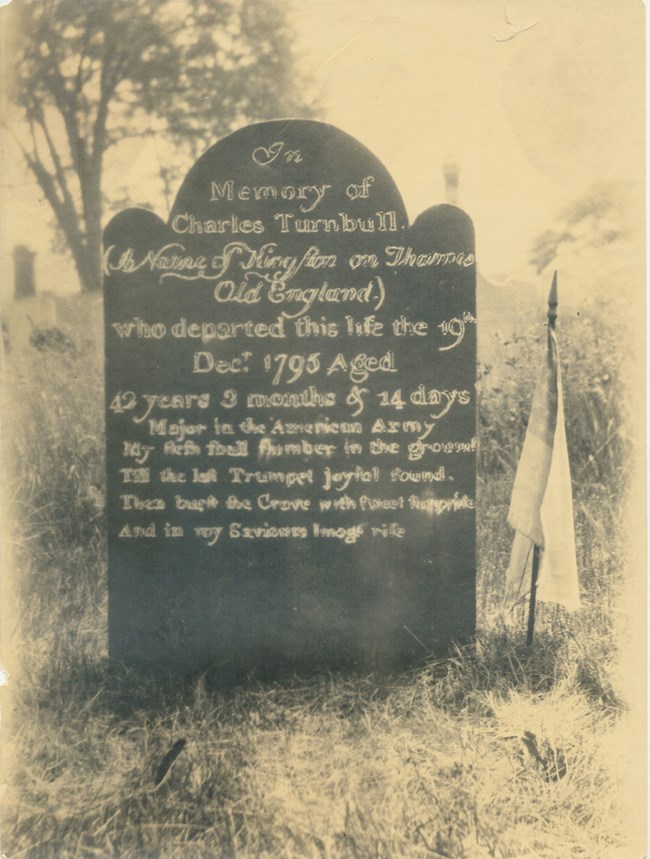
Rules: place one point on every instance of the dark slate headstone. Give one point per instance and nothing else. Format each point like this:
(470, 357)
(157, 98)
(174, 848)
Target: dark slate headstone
(291, 415)
(24, 286)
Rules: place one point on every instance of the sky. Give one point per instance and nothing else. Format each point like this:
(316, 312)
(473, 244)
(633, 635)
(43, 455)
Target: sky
(532, 117)
(535, 100)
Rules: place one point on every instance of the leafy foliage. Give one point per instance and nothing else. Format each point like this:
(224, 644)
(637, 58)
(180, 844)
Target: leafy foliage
(596, 218)
(86, 74)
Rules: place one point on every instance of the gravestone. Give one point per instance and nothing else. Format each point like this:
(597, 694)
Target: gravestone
(291, 415)
(24, 286)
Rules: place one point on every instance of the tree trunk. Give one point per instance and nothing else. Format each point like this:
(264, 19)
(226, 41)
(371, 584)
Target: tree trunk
(87, 261)
(91, 279)
(90, 273)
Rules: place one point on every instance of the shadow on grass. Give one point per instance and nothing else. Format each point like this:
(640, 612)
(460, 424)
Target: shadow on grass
(500, 662)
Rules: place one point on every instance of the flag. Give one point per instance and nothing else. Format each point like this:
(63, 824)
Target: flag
(541, 509)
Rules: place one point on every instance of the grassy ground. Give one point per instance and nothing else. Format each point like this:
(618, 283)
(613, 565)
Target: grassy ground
(492, 752)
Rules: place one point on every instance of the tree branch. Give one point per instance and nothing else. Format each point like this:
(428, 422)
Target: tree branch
(59, 172)
(52, 78)
(47, 185)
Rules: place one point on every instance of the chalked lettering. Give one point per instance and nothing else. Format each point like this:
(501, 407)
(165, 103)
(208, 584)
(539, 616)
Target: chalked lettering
(291, 415)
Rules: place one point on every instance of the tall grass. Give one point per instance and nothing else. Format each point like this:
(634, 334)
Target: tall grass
(593, 371)
(55, 458)
(493, 751)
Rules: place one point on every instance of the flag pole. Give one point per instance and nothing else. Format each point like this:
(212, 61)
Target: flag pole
(530, 632)
(552, 303)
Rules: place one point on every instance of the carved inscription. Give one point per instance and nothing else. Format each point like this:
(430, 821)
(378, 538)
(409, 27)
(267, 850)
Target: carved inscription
(290, 414)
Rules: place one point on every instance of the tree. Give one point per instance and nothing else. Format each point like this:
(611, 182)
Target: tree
(87, 74)
(599, 217)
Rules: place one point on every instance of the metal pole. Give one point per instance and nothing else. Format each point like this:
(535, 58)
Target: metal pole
(530, 633)
(552, 303)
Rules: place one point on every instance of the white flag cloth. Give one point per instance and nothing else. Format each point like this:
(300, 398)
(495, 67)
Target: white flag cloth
(541, 510)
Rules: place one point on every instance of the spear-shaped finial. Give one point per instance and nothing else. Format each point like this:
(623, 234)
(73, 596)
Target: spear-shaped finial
(552, 302)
